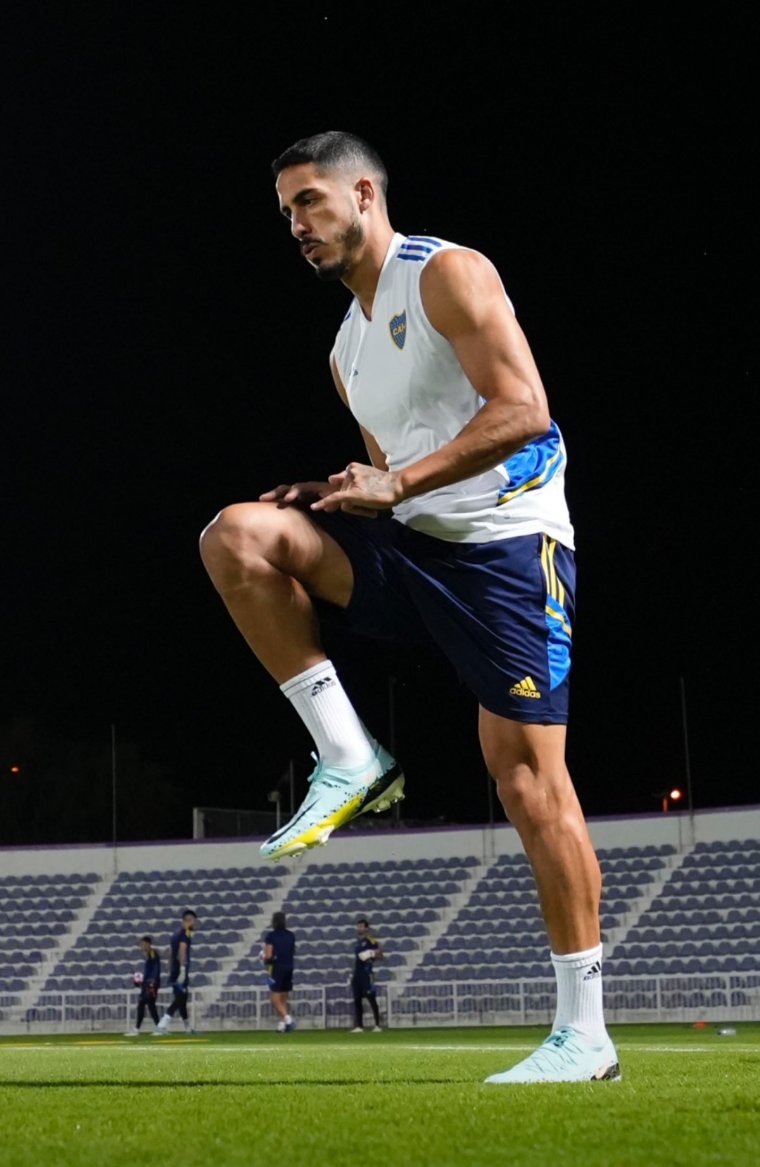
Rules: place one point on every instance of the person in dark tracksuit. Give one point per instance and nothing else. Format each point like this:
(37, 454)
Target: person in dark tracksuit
(367, 950)
(278, 955)
(179, 973)
(149, 982)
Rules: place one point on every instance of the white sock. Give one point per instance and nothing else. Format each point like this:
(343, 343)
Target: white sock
(165, 1021)
(321, 702)
(288, 1019)
(579, 993)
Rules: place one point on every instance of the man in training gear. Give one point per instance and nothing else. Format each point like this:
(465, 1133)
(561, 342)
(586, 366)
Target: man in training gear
(475, 552)
(179, 974)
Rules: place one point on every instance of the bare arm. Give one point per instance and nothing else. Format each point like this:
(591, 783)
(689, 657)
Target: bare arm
(376, 455)
(304, 493)
(465, 301)
(340, 482)
(182, 959)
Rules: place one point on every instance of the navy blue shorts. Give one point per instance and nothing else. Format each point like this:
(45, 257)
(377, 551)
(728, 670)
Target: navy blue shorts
(281, 981)
(502, 612)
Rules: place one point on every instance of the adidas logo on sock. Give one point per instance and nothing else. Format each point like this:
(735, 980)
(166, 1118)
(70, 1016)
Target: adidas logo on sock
(322, 684)
(593, 972)
(525, 688)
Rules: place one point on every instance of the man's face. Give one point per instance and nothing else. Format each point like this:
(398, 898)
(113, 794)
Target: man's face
(145, 946)
(323, 212)
(361, 930)
(189, 923)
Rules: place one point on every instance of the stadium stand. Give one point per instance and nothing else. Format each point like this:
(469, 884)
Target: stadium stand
(462, 931)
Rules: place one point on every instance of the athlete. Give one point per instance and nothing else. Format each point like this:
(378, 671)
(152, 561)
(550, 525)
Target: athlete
(367, 949)
(477, 554)
(278, 955)
(148, 980)
(179, 974)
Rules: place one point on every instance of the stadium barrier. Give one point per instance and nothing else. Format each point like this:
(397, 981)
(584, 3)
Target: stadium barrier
(711, 997)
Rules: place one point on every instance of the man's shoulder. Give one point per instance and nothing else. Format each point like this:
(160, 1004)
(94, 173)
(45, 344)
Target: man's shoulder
(418, 250)
(428, 262)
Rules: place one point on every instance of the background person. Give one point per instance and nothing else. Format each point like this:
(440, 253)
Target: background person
(367, 949)
(278, 954)
(179, 973)
(149, 982)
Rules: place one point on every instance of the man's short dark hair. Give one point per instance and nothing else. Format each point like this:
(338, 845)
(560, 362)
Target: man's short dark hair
(334, 150)
(363, 920)
(148, 938)
(278, 920)
(189, 912)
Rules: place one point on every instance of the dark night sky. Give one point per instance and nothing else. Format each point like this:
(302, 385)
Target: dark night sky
(167, 349)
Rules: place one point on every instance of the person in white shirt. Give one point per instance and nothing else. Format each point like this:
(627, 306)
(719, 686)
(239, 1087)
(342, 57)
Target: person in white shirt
(455, 530)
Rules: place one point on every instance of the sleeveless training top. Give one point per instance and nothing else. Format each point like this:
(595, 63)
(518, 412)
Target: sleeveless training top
(407, 388)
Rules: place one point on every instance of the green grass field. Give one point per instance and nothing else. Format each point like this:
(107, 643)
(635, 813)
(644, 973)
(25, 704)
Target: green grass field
(689, 1096)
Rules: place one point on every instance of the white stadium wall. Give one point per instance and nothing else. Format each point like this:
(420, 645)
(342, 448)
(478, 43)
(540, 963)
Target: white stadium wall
(677, 828)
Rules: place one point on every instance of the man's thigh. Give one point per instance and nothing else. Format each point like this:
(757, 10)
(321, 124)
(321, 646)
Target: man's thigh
(286, 537)
(380, 605)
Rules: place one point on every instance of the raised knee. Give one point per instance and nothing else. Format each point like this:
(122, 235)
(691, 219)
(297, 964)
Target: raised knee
(228, 519)
(230, 536)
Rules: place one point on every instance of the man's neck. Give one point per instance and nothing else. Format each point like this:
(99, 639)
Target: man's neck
(363, 278)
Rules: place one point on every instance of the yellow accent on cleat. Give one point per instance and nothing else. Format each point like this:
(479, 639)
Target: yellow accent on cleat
(336, 797)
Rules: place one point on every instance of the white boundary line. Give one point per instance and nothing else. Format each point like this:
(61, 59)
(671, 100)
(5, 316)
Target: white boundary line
(281, 1047)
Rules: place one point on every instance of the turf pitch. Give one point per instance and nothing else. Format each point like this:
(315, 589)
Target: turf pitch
(688, 1096)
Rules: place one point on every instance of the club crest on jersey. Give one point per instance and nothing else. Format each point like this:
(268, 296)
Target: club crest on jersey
(397, 325)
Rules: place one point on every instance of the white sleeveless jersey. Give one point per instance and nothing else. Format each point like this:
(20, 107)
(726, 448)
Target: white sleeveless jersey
(407, 388)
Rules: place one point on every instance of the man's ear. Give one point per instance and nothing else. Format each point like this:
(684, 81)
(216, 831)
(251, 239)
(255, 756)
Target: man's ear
(365, 190)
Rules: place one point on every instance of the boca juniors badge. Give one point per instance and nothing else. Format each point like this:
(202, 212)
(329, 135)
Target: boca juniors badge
(397, 325)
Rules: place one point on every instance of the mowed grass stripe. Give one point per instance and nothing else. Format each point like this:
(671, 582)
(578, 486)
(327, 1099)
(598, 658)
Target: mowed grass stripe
(415, 1102)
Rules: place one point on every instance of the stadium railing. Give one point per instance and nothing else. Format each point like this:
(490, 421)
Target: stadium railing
(711, 997)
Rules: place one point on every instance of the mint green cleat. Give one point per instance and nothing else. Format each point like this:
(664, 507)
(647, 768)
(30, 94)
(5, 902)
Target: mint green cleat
(565, 1057)
(335, 797)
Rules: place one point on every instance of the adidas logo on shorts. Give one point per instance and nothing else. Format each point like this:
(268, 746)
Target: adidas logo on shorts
(525, 688)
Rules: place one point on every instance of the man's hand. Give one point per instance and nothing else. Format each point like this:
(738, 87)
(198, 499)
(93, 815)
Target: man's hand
(298, 494)
(361, 490)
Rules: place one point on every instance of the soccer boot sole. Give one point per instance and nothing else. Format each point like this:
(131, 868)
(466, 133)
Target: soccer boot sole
(384, 791)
